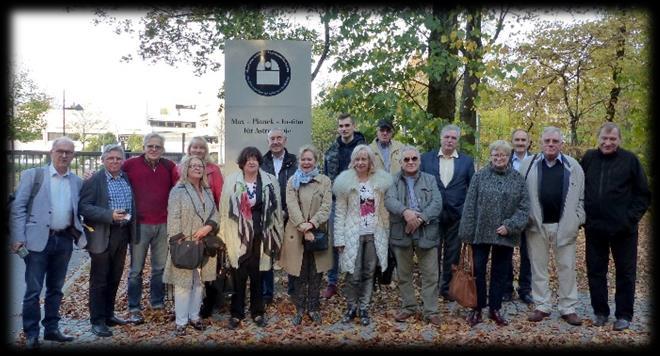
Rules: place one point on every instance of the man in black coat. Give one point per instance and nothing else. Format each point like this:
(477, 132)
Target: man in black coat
(616, 195)
(282, 164)
(108, 208)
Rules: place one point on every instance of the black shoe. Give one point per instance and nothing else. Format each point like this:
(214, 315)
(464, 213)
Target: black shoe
(621, 324)
(114, 321)
(297, 319)
(315, 316)
(447, 297)
(135, 318)
(180, 330)
(234, 323)
(600, 320)
(364, 317)
(197, 324)
(32, 342)
(101, 330)
(268, 300)
(57, 336)
(527, 298)
(260, 320)
(205, 311)
(350, 314)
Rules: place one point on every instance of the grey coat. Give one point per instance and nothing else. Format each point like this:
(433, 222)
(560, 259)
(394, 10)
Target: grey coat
(186, 213)
(33, 230)
(495, 199)
(430, 203)
(95, 208)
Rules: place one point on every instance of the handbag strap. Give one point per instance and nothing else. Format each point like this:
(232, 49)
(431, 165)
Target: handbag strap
(466, 262)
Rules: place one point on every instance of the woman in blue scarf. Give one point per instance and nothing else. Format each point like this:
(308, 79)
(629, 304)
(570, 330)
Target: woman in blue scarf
(309, 198)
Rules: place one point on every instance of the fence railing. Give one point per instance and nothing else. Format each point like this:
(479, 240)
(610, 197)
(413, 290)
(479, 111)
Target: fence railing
(18, 161)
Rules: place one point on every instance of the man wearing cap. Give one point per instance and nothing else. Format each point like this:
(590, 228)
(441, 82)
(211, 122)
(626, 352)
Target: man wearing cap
(386, 150)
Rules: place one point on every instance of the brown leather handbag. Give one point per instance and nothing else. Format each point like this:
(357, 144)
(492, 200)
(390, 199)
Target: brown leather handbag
(463, 285)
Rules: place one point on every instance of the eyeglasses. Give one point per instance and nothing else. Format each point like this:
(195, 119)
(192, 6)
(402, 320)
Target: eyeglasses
(196, 166)
(64, 152)
(498, 155)
(154, 147)
(408, 159)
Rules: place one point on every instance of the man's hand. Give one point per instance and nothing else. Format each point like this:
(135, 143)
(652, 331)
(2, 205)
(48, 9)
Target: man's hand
(410, 216)
(502, 231)
(15, 246)
(88, 174)
(118, 215)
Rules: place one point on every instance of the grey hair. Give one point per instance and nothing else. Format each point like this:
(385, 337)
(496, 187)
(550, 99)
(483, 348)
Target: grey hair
(277, 129)
(406, 149)
(112, 147)
(520, 130)
(552, 129)
(151, 135)
(608, 127)
(62, 139)
(451, 127)
(311, 149)
(500, 145)
(183, 173)
(370, 153)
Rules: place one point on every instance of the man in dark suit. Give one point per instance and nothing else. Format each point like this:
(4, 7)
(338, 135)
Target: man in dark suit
(453, 172)
(48, 233)
(108, 209)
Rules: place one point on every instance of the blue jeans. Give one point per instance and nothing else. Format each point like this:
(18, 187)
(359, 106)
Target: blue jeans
(51, 264)
(333, 273)
(268, 284)
(156, 237)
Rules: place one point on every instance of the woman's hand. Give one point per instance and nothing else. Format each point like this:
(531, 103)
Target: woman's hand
(201, 232)
(339, 249)
(304, 227)
(502, 231)
(309, 236)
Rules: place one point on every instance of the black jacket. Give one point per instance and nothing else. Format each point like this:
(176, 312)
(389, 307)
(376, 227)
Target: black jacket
(289, 166)
(616, 193)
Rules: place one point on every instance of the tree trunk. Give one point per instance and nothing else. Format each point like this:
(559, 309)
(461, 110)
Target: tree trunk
(616, 70)
(441, 94)
(470, 79)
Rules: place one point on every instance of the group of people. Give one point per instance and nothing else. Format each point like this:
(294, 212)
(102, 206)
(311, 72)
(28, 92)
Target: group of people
(370, 200)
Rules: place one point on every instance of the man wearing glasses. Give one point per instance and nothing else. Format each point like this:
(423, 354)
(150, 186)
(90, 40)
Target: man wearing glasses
(150, 176)
(386, 150)
(44, 225)
(453, 172)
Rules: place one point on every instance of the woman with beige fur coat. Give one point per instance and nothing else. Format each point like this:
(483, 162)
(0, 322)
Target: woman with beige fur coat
(190, 211)
(308, 198)
(361, 228)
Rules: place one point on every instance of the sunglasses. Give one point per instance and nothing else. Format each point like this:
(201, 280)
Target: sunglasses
(154, 147)
(408, 159)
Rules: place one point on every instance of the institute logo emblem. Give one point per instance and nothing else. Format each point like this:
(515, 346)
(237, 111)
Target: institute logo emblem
(267, 72)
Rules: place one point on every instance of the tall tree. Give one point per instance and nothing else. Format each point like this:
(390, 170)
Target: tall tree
(27, 106)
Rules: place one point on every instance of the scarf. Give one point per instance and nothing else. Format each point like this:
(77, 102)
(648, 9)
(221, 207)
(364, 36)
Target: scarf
(300, 177)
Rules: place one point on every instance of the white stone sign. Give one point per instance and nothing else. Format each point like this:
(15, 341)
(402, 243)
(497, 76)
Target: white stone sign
(267, 85)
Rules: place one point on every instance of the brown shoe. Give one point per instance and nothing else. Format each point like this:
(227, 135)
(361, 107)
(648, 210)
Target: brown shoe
(497, 317)
(538, 315)
(434, 319)
(572, 319)
(403, 315)
(474, 317)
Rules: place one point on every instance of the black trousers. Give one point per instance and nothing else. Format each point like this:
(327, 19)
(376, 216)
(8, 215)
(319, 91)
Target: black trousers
(307, 287)
(449, 252)
(105, 274)
(248, 268)
(525, 272)
(624, 252)
(500, 264)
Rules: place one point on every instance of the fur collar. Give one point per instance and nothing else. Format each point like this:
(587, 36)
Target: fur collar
(348, 180)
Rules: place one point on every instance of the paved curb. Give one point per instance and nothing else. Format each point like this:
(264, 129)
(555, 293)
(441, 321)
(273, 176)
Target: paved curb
(84, 267)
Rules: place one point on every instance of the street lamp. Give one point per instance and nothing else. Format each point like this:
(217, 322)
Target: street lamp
(77, 107)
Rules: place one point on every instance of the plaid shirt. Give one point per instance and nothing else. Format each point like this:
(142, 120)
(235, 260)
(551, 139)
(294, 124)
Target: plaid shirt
(119, 192)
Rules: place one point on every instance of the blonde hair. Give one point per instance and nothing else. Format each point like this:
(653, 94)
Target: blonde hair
(370, 154)
(311, 149)
(202, 140)
(185, 164)
(500, 145)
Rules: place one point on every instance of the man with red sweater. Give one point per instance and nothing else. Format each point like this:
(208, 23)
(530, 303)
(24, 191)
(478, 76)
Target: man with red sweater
(151, 178)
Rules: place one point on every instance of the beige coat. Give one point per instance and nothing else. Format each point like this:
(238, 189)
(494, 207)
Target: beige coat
(573, 214)
(183, 208)
(395, 156)
(312, 202)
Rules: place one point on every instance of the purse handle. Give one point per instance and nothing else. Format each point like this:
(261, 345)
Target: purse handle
(466, 262)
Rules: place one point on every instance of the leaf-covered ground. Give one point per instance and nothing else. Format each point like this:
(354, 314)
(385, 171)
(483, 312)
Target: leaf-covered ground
(383, 333)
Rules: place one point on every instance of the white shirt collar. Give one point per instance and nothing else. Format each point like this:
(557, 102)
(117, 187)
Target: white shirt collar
(53, 171)
(453, 154)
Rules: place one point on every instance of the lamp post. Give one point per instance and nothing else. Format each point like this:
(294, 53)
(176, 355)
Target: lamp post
(77, 107)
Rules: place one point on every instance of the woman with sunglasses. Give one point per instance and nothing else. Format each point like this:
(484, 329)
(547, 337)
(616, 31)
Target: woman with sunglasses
(496, 211)
(414, 202)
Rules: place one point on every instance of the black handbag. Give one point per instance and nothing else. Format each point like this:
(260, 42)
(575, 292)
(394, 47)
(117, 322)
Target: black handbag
(211, 245)
(385, 277)
(186, 254)
(320, 242)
